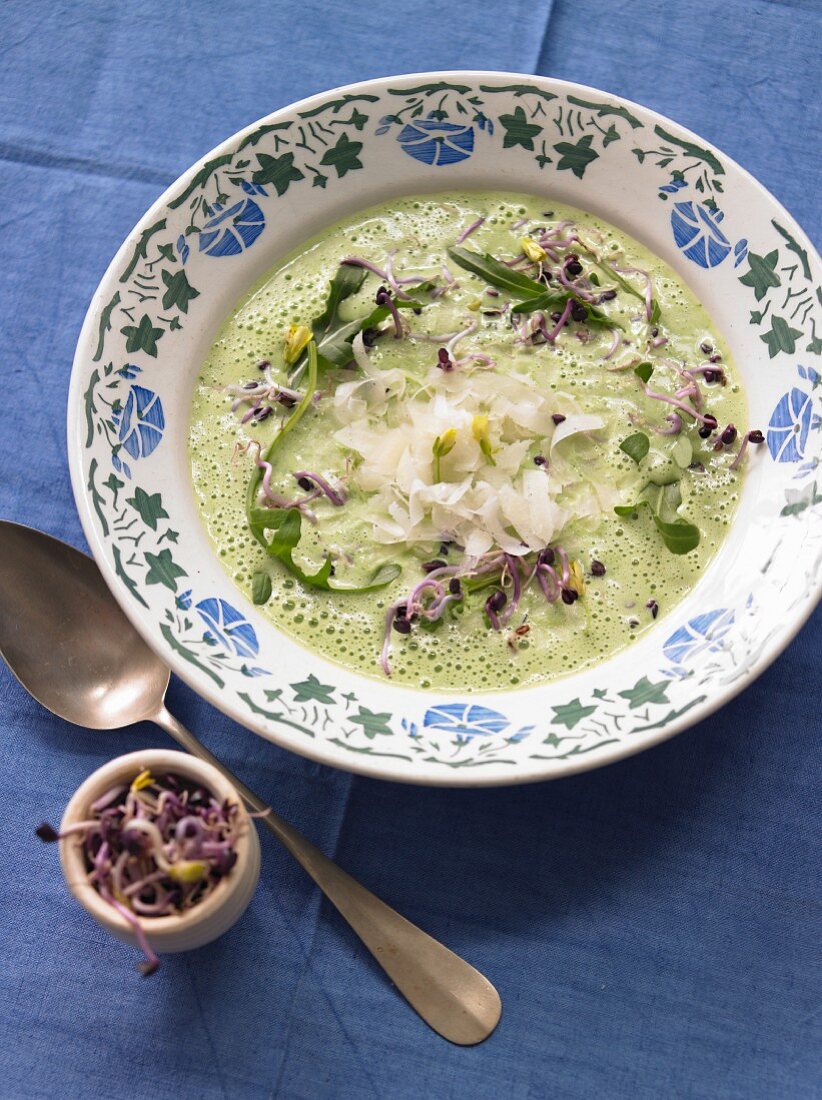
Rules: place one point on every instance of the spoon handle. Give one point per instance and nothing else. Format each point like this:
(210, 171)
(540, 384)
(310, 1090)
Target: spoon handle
(452, 997)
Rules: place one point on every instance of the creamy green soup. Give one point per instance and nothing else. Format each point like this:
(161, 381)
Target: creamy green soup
(511, 412)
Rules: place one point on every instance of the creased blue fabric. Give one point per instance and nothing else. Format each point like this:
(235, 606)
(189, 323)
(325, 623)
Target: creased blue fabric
(653, 927)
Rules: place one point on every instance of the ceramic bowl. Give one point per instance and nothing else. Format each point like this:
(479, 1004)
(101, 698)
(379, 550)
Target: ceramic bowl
(226, 221)
(203, 922)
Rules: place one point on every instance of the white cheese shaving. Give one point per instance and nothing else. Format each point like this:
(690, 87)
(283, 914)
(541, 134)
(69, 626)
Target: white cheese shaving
(482, 502)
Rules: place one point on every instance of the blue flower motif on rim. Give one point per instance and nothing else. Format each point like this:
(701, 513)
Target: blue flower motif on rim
(698, 634)
(227, 627)
(467, 720)
(232, 230)
(141, 422)
(790, 423)
(435, 141)
(697, 233)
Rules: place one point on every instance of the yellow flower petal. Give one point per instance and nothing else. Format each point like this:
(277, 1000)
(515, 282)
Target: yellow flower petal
(296, 339)
(532, 250)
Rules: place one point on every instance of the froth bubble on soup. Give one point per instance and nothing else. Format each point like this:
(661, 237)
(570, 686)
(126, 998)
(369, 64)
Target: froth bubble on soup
(468, 441)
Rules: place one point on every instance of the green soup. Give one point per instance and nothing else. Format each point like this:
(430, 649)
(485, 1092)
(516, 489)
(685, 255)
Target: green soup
(544, 467)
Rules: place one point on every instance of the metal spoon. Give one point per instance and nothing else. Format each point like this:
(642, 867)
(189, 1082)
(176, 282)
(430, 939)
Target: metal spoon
(66, 640)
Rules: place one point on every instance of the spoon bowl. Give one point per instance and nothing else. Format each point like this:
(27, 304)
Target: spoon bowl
(66, 639)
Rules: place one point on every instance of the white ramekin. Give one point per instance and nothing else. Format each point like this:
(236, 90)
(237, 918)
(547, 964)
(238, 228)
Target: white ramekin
(203, 922)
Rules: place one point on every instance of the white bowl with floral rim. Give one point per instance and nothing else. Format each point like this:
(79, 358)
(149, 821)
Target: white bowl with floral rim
(228, 219)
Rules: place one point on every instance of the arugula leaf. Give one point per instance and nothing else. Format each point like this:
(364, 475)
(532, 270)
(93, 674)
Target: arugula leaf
(496, 273)
(284, 541)
(346, 282)
(636, 446)
(550, 299)
(656, 312)
(679, 536)
(260, 587)
(597, 317)
(665, 500)
(644, 371)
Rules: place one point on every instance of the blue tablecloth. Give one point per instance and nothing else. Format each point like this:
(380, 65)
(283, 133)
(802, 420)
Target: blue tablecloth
(653, 927)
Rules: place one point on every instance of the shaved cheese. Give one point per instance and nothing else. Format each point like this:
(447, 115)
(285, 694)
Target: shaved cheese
(486, 499)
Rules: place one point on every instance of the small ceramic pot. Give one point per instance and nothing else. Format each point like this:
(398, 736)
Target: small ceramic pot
(203, 922)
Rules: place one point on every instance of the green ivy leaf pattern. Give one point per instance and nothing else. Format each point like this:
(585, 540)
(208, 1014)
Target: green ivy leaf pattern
(344, 156)
(761, 275)
(150, 507)
(311, 688)
(576, 157)
(644, 692)
(780, 337)
(163, 570)
(142, 337)
(279, 171)
(179, 290)
(372, 723)
(570, 714)
(518, 130)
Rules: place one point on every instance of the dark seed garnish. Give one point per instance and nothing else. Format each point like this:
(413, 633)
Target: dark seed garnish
(558, 418)
(729, 435)
(263, 364)
(492, 313)
(250, 386)
(47, 832)
(719, 445)
(569, 595)
(715, 358)
(633, 623)
(653, 607)
(402, 626)
(305, 483)
(555, 316)
(547, 556)
(454, 587)
(607, 295)
(416, 311)
(706, 348)
(756, 436)
(263, 414)
(711, 376)
(579, 312)
(496, 601)
(435, 563)
(287, 400)
(445, 547)
(597, 568)
(697, 466)
(540, 460)
(369, 337)
(573, 267)
(704, 431)
(654, 331)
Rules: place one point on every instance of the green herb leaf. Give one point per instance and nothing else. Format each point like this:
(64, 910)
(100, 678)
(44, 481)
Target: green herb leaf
(656, 312)
(682, 452)
(260, 587)
(679, 537)
(597, 317)
(636, 446)
(496, 273)
(284, 541)
(644, 372)
(346, 282)
(550, 299)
